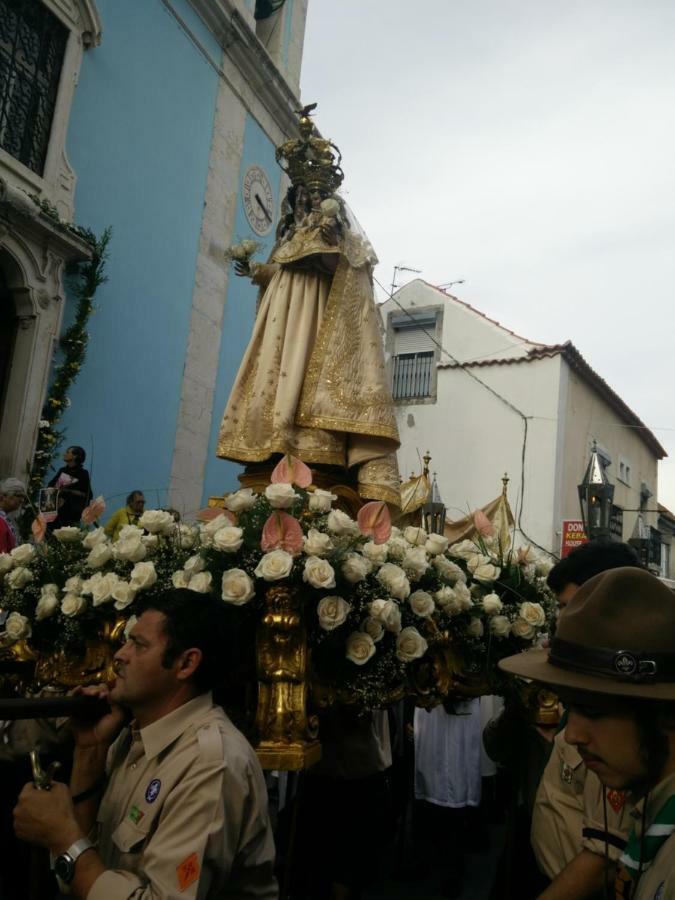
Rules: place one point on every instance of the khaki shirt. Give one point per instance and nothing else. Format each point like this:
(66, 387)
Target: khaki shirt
(569, 812)
(658, 881)
(184, 814)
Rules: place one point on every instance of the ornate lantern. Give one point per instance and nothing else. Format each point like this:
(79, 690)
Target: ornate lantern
(596, 494)
(433, 511)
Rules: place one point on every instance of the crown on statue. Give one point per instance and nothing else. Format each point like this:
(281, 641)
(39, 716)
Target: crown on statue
(310, 159)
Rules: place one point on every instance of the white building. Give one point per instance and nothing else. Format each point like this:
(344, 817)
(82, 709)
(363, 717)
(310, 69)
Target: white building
(485, 401)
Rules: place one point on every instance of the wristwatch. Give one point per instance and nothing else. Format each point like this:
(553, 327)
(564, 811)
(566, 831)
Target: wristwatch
(64, 865)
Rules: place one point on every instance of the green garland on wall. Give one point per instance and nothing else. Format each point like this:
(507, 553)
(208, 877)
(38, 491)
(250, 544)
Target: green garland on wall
(90, 276)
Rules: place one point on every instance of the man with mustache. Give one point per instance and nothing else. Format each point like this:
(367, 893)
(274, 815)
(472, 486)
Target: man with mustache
(174, 804)
(612, 662)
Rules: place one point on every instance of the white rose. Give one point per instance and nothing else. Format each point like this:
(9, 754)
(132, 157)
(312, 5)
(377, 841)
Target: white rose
(18, 578)
(415, 536)
(360, 647)
(143, 576)
(237, 587)
(410, 645)
(394, 580)
(150, 542)
(249, 247)
(415, 561)
(180, 579)
(194, 564)
(157, 521)
(332, 612)
(478, 559)
(281, 496)
(321, 501)
(319, 573)
(373, 627)
(533, 613)
(543, 567)
(463, 595)
(201, 582)
(492, 604)
(448, 601)
(47, 589)
(99, 555)
(422, 603)
(123, 594)
(448, 570)
(128, 532)
(73, 585)
(463, 550)
(214, 525)
(228, 539)
(376, 553)
(22, 555)
(187, 536)
(68, 534)
(475, 628)
(355, 568)
(17, 627)
(486, 573)
(275, 565)
(397, 547)
(387, 613)
(72, 605)
(6, 563)
(46, 606)
(436, 544)
(130, 548)
(522, 629)
(317, 543)
(102, 590)
(340, 523)
(500, 626)
(240, 500)
(97, 536)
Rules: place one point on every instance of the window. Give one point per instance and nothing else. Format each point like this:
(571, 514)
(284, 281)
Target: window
(415, 355)
(624, 470)
(32, 47)
(412, 375)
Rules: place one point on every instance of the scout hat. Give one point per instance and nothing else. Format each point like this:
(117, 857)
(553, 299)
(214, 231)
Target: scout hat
(617, 636)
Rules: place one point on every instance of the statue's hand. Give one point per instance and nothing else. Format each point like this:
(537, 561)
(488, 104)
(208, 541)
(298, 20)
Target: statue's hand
(242, 268)
(329, 233)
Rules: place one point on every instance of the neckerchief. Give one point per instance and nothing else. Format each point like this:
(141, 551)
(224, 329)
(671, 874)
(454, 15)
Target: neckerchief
(640, 852)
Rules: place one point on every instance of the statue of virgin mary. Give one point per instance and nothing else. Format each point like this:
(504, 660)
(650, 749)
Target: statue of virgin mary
(313, 382)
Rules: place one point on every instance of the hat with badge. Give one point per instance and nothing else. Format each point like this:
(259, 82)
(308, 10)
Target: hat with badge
(616, 636)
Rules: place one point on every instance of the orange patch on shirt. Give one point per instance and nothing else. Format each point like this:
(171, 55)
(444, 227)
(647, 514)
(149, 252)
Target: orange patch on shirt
(188, 871)
(616, 799)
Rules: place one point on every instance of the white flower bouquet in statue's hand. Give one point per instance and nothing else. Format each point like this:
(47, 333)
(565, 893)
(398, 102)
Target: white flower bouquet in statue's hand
(241, 255)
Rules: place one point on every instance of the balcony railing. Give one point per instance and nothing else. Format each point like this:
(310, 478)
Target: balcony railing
(412, 376)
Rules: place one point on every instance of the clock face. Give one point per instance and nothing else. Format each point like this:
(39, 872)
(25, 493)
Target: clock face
(258, 200)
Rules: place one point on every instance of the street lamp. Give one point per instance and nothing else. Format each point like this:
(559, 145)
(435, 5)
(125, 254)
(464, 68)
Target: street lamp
(433, 511)
(596, 494)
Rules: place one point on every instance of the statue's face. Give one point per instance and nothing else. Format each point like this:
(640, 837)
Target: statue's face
(301, 201)
(315, 198)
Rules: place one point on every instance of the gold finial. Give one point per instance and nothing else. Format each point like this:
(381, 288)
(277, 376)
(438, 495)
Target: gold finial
(505, 483)
(426, 460)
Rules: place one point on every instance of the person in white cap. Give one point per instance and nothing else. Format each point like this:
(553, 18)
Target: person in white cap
(12, 496)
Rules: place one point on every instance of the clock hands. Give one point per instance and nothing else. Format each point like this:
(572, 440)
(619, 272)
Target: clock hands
(263, 207)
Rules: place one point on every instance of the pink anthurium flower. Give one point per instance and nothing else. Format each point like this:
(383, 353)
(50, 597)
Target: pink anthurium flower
(374, 520)
(92, 512)
(209, 513)
(39, 528)
(282, 532)
(482, 524)
(291, 470)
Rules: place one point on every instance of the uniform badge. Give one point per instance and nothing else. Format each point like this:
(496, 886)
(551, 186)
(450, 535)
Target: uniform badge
(188, 871)
(136, 814)
(616, 799)
(152, 790)
(567, 773)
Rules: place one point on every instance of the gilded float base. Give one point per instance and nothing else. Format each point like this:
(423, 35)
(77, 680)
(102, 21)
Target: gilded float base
(274, 755)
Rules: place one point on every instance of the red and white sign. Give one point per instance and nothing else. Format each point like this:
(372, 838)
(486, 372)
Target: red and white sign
(573, 536)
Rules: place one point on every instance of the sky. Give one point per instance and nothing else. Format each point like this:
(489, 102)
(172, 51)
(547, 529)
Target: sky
(527, 147)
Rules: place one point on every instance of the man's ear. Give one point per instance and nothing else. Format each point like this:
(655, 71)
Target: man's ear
(188, 663)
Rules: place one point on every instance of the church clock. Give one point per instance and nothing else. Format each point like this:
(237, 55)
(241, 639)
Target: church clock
(258, 200)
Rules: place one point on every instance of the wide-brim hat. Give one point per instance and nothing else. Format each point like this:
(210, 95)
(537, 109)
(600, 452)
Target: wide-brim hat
(616, 636)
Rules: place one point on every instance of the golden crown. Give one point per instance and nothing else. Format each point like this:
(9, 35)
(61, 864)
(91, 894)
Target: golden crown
(310, 159)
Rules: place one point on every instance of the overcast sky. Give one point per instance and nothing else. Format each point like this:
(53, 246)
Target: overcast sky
(528, 147)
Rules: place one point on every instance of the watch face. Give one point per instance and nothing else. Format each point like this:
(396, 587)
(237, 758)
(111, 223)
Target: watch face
(64, 868)
(258, 200)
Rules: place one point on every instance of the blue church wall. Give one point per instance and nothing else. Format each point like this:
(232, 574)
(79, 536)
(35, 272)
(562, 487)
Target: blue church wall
(221, 475)
(139, 139)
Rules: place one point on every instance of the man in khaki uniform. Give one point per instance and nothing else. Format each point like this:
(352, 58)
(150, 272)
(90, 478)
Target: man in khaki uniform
(184, 806)
(568, 817)
(612, 662)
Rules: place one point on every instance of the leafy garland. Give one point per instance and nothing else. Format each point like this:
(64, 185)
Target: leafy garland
(74, 345)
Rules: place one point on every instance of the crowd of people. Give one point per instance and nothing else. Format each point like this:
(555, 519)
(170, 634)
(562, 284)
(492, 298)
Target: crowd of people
(166, 797)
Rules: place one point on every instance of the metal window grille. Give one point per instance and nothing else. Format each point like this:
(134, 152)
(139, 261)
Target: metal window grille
(32, 46)
(412, 375)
